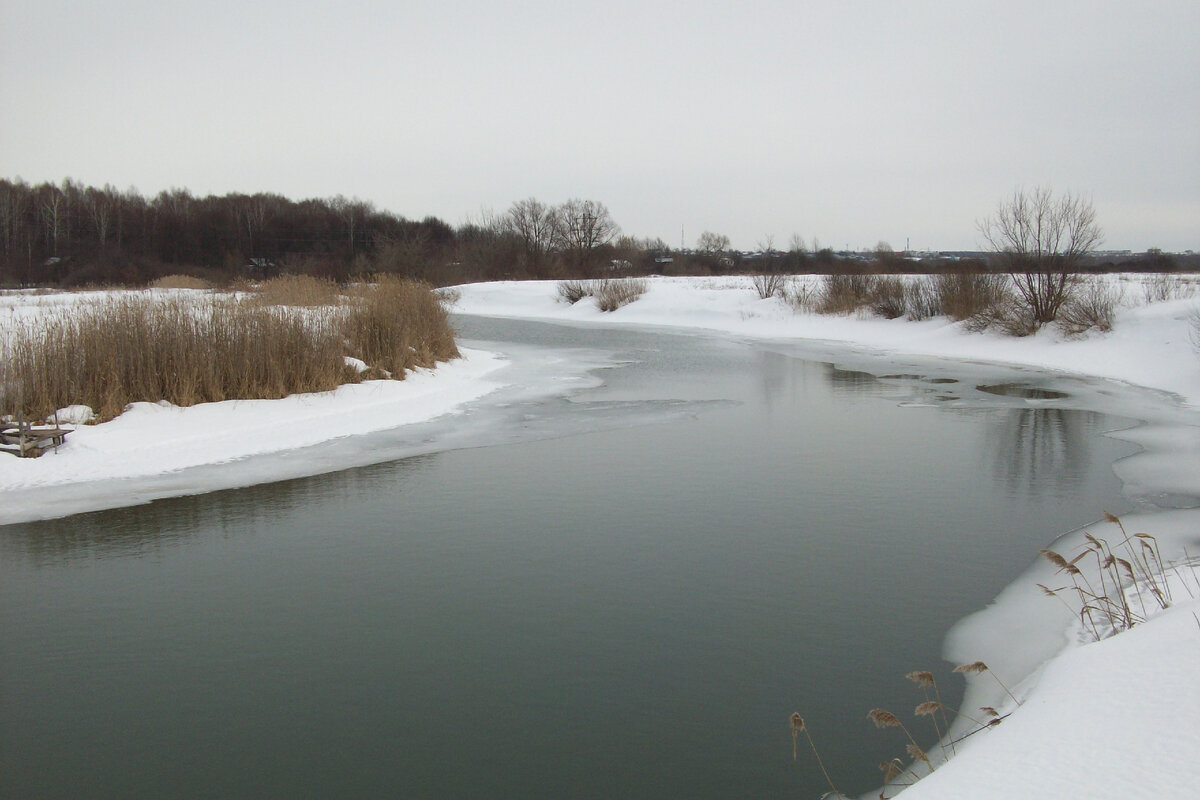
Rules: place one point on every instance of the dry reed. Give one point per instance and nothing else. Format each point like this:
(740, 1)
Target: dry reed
(799, 727)
(111, 352)
(298, 290)
(180, 282)
(1129, 580)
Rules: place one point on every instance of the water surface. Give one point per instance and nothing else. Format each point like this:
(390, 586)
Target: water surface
(622, 589)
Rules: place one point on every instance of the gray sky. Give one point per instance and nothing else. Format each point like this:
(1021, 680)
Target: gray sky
(852, 122)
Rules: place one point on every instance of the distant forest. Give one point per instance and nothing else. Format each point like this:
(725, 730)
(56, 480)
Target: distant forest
(70, 234)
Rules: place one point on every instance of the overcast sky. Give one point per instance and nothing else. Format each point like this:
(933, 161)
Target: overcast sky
(848, 122)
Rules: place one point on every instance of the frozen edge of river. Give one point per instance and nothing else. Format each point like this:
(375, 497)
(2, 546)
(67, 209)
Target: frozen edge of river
(1053, 744)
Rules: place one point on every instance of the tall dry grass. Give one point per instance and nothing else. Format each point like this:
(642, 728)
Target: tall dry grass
(180, 282)
(111, 352)
(298, 290)
(397, 325)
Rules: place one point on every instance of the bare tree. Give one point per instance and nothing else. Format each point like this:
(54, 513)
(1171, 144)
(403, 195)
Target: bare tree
(1040, 240)
(536, 224)
(712, 244)
(582, 226)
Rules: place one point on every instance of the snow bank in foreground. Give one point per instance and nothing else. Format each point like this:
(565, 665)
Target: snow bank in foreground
(1109, 719)
(1113, 719)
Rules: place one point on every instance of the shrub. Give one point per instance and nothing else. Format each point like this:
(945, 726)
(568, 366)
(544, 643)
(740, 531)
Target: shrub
(1161, 288)
(800, 295)
(1092, 305)
(574, 291)
(1007, 314)
(842, 293)
(888, 297)
(769, 284)
(1194, 319)
(963, 295)
(612, 294)
(921, 299)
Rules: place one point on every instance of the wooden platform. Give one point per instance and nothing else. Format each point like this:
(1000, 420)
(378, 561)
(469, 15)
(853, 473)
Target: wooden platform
(28, 441)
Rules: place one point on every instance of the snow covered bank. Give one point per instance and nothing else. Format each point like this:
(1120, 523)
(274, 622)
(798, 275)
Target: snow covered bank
(151, 439)
(1110, 719)
(1150, 345)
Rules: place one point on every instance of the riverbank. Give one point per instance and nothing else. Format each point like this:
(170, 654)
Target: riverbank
(1150, 345)
(1106, 720)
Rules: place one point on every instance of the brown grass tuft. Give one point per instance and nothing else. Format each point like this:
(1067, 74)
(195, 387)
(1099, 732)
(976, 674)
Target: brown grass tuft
(1054, 558)
(922, 678)
(928, 708)
(883, 719)
(180, 282)
(303, 291)
(972, 668)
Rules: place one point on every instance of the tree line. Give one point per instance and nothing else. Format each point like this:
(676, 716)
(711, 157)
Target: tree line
(70, 234)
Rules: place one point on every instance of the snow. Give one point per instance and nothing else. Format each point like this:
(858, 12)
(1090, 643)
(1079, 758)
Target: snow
(1107, 719)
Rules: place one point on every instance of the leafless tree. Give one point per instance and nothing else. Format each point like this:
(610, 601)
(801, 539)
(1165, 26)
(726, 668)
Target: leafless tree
(582, 226)
(536, 224)
(712, 244)
(1039, 240)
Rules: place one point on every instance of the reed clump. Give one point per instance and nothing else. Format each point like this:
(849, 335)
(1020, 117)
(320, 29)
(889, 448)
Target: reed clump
(304, 291)
(610, 293)
(1116, 585)
(109, 352)
(397, 325)
(180, 282)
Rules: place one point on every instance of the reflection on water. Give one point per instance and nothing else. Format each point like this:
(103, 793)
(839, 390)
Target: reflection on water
(851, 382)
(1026, 392)
(1042, 447)
(141, 530)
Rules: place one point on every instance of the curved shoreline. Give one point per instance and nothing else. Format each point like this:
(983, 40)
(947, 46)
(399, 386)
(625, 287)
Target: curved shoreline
(1059, 743)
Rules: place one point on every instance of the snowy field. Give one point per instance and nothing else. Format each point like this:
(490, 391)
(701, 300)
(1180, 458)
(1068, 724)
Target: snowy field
(1108, 719)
